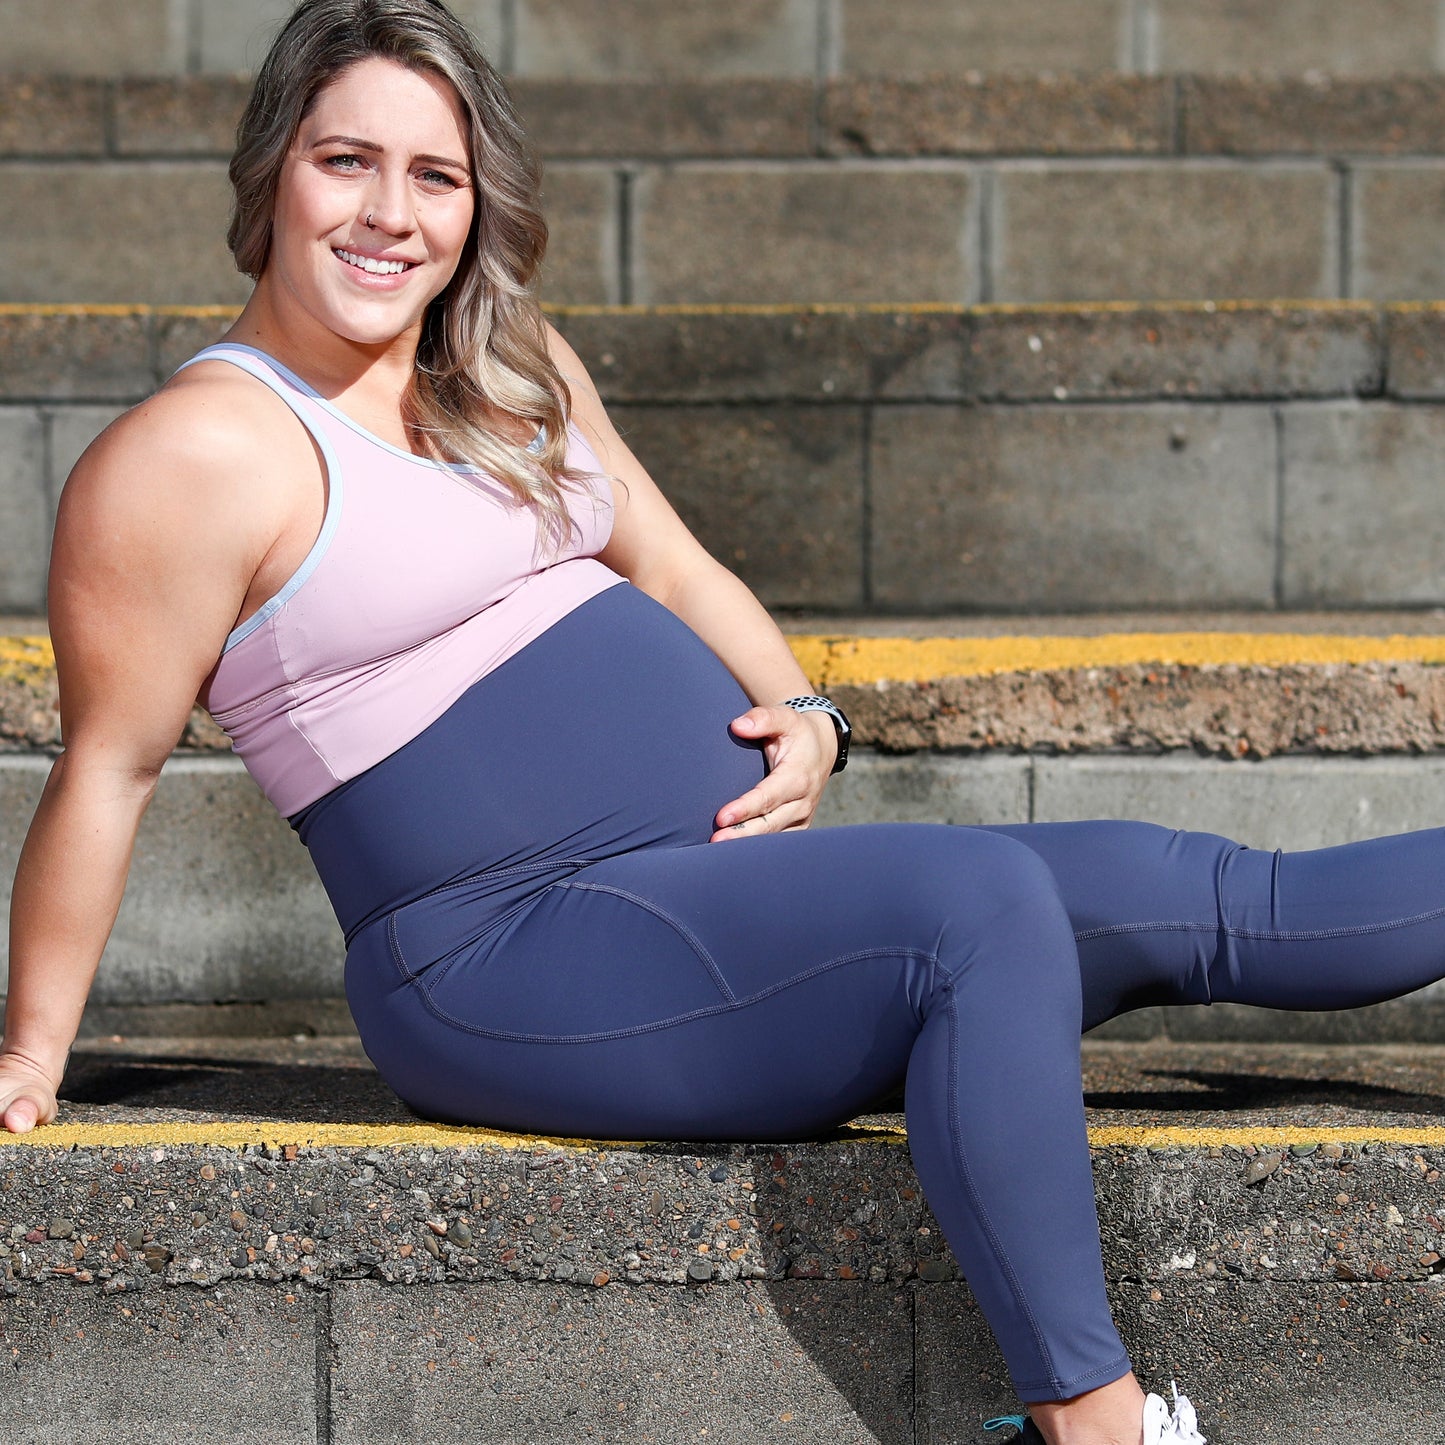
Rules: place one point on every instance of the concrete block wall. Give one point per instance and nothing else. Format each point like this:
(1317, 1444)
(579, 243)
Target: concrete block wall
(930, 461)
(814, 38)
(1003, 189)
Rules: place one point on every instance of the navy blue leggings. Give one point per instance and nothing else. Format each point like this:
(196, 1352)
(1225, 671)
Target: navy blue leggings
(540, 938)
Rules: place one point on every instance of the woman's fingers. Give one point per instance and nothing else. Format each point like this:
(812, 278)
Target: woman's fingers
(22, 1115)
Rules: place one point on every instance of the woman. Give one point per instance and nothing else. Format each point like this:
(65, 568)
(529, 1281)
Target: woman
(555, 764)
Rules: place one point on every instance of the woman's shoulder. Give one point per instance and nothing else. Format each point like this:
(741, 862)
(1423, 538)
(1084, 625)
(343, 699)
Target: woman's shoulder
(209, 424)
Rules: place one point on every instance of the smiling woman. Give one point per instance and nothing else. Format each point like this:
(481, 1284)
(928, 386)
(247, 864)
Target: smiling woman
(385, 531)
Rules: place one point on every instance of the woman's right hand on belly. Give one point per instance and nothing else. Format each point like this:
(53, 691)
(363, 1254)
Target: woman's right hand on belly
(27, 1094)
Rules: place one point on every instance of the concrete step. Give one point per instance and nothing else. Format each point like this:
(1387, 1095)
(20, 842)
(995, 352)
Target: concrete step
(942, 459)
(1271, 1219)
(662, 39)
(856, 189)
(1292, 740)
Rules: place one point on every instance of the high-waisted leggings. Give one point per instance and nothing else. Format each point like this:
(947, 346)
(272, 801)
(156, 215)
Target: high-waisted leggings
(541, 938)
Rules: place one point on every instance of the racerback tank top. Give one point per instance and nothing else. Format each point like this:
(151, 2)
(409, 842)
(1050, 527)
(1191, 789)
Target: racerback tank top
(424, 577)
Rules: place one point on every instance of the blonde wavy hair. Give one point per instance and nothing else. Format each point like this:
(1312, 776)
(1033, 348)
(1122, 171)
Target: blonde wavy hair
(483, 348)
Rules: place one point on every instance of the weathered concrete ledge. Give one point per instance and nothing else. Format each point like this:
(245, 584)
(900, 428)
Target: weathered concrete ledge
(1124, 351)
(962, 115)
(1076, 352)
(387, 1280)
(1226, 694)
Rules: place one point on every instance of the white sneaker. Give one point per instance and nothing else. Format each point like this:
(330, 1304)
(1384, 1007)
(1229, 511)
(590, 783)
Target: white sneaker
(1165, 1427)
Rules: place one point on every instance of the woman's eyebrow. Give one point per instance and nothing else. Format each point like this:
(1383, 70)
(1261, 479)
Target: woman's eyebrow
(356, 143)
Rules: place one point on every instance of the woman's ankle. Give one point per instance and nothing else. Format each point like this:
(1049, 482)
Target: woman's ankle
(1113, 1414)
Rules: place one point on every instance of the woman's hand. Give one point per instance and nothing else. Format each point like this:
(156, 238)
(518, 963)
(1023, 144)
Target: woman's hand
(27, 1092)
(801, 748)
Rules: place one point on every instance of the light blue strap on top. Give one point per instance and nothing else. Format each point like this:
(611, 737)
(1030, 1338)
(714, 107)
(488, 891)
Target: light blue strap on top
(259, 365)
(999, 1421)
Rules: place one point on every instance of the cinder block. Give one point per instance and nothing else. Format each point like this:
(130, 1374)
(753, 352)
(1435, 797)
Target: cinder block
(72, 429)
(665, 39)
(1398, 208)
(1361, 517)
(783, 354)
(1292, 37)
(223, 903)
(1321, 1364)
(94, 37)
(925, 788)
(51, 355)
(235, 34)
(789, 1362)
(1167, 231)
(1314, 115)
(180, 333)
(807, 232)
(149, 233)
(723, 118)
(583, 265)
(960, 1376)
(1415, 345)
(47, 115)
(25, 511)
(1072, 508)
(1281, 803)
(1233, 350)
(196, 115)
(999, 115)
(775, 493)
(144, 1365)
(893, 37)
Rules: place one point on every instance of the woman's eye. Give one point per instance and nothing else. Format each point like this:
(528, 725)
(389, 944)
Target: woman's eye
(343, 163)
(439, 179)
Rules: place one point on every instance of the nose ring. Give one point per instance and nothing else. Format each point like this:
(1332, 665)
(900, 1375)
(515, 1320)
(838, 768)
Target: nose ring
(369, 215)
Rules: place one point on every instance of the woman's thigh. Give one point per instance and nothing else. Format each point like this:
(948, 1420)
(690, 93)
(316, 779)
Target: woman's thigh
(754, 988)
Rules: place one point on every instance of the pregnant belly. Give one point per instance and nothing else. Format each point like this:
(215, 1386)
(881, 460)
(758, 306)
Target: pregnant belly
(607, 734)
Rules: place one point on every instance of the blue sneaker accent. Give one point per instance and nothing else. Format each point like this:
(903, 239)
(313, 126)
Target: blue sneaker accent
(999, 1421)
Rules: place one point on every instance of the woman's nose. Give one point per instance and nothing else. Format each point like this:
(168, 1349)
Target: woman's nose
(387, 206)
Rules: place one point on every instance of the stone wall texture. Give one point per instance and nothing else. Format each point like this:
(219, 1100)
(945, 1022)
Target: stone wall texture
(788, 189)
(653, 39)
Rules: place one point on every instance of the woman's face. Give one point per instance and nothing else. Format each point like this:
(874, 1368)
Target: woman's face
(374, 202)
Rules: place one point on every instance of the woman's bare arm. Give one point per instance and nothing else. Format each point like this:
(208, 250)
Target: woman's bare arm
(152, 559)
(652, 547)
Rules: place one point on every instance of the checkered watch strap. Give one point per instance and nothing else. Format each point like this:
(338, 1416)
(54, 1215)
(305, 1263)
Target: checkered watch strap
(840, 722)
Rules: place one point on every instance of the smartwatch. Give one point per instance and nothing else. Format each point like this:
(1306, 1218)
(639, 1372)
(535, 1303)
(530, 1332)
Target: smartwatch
(840, 723)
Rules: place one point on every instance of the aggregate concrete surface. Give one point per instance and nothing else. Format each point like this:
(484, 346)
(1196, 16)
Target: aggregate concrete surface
(465, 1286)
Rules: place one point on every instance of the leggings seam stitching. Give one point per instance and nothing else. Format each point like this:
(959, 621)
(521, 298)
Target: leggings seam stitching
(1064, 1387)
(677, 926)
(510, 1036)
(990, 1234)
(1281, 934)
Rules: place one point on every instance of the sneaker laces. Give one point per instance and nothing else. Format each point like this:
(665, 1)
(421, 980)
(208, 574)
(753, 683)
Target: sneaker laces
(1165, 1427)
(1000, 1422)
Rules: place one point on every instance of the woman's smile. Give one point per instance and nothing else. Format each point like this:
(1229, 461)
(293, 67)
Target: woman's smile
(375, 203)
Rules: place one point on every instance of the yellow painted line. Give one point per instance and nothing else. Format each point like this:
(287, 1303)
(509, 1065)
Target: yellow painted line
(278, 1134)
(862, 661)
(25, 659)
(993, 308)
(831, 661)
(72, 308)
(1281, 1136)
(819, 308)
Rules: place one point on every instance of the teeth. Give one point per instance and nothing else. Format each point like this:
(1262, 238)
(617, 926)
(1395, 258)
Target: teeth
(370, 264)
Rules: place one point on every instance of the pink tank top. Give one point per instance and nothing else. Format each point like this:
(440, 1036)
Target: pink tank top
(425, 576)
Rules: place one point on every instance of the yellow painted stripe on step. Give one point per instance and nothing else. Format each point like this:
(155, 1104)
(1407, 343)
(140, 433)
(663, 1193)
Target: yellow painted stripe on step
(863, 661)
(240, 1134)
(23, 659)
(818, 308)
